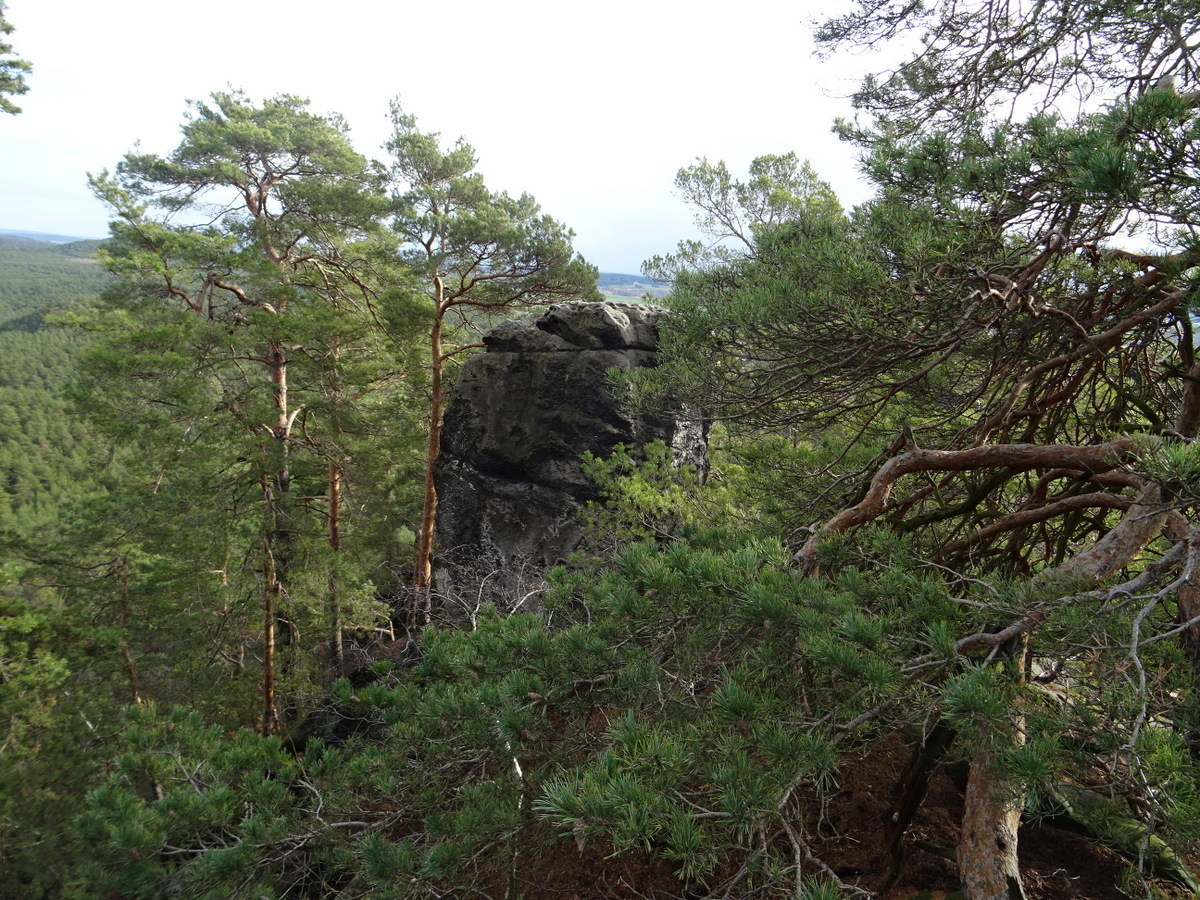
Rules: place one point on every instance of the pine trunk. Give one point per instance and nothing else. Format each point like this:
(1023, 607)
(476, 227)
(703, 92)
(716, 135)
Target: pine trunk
(270, 719)
(276, 534)
(987, 851)
(337, 659)
(424, 569)
(992, 806)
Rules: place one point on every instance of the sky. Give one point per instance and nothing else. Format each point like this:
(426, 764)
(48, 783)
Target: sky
(591, 107)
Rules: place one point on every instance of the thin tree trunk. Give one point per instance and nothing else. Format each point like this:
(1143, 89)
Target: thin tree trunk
(911, 788)
(280, 534)
(275, 537)
(424, 569)
(337, 659)
(277, 363)
(135, 694)
(270, 720)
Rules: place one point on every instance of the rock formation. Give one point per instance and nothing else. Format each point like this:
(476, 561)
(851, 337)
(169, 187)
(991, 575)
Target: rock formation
(521, 415)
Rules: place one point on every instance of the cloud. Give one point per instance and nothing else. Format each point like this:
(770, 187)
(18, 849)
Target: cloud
(590, 108)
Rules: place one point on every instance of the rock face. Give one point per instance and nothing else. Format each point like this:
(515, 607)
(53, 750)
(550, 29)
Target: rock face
(522, 414)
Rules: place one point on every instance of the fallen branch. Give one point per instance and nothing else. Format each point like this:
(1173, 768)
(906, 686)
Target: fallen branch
(1088, 813)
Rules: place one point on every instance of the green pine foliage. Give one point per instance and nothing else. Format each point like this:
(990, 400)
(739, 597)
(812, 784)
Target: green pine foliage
(683, 701)
(51, 731)
(12, 70)
(646, 496)
(681, 697)
(690, 692)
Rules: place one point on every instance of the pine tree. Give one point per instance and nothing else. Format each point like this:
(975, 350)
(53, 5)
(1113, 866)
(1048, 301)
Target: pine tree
(12, 70)
(250, 284)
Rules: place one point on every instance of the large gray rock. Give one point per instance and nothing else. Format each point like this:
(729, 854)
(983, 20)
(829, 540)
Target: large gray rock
(522, 414)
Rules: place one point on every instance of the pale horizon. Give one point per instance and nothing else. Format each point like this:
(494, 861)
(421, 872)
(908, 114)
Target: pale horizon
(592, 113)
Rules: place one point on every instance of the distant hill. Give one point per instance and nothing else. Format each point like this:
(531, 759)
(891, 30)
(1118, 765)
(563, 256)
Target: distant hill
(617, 285)
(49, 455)
(43, 236)
(631, 287)
(81, 250)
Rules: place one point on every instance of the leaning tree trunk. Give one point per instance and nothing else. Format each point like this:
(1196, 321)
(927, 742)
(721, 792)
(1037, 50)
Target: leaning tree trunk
(987, 852)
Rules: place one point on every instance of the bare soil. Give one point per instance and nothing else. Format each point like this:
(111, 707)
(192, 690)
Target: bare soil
(848, 839)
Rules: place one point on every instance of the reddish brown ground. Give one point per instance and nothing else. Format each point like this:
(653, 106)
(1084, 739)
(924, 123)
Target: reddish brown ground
(1056, 865)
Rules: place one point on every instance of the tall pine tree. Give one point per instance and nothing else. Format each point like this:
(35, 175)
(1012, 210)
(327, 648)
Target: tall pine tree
(249, 290)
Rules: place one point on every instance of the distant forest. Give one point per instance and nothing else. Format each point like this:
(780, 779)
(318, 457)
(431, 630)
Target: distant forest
(630, 287)
(47, 454)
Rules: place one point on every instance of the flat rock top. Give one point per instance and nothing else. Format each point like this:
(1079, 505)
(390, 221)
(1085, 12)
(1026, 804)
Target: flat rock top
(580, 325)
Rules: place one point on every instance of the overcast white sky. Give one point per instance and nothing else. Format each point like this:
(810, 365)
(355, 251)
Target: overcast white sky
(591, 108)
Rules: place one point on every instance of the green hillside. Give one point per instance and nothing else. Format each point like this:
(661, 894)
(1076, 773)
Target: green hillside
(36, 276)
(46, 454)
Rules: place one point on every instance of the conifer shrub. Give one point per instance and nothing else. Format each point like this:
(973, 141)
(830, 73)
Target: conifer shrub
(690, 703)
(668, 705)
